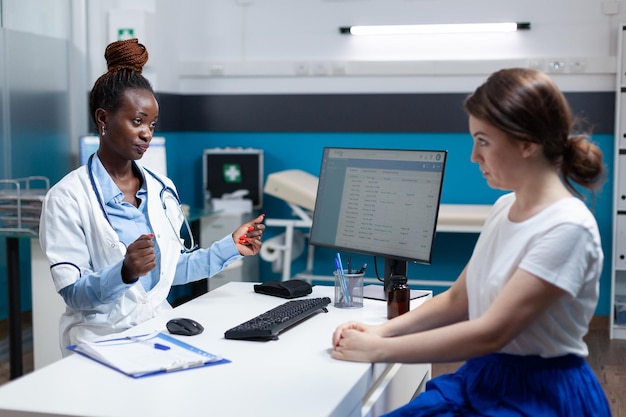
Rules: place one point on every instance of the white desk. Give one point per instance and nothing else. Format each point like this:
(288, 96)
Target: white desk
(294, 375)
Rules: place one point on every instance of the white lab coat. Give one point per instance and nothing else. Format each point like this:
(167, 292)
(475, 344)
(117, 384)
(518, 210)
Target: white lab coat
(76, 237)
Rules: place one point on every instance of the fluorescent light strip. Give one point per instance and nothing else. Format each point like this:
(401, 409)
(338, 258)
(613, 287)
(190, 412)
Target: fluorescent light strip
(430, 29)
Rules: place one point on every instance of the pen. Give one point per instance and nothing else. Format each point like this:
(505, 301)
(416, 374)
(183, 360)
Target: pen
(344, 290)
(349, 264)
(158, 346)
(343, 278)
(362, 270)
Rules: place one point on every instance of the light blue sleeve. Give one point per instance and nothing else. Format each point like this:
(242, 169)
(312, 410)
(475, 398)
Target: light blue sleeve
(95, 289)
(204, 263)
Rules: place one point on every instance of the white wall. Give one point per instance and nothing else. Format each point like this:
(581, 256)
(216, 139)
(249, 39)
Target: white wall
(289, 46)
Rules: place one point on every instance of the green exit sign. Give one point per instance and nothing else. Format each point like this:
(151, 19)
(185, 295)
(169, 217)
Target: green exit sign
(125, 33)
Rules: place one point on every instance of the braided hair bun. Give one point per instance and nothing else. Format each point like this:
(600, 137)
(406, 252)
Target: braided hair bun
(126, 54)
(125, 61)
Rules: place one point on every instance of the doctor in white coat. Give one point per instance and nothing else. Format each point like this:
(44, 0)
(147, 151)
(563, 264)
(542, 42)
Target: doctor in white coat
(111, 228)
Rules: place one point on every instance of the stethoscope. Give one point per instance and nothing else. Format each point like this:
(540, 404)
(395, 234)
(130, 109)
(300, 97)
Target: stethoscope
(166, 192)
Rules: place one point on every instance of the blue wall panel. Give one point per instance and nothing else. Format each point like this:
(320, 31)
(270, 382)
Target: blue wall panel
(463, 184)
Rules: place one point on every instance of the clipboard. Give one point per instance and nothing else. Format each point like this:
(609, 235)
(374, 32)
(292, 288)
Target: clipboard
(147, 354)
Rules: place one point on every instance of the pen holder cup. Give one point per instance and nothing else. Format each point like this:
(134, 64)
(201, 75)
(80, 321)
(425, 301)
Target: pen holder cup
(348, 290)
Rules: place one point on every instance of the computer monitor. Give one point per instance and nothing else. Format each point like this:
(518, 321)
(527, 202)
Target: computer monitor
(381, 202)
(87, 145)
(154, 159)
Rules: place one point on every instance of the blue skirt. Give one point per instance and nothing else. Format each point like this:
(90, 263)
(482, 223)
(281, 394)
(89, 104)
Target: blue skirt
(510, 385)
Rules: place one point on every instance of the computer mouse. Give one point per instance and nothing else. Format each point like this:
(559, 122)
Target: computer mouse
(184, 326)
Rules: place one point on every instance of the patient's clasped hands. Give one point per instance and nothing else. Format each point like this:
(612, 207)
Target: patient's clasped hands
(358, 342)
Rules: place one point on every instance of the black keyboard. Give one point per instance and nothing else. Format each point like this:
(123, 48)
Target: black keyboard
(268, 325)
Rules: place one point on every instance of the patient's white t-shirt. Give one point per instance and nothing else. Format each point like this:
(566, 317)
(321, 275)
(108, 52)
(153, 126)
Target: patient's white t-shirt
(560, 245)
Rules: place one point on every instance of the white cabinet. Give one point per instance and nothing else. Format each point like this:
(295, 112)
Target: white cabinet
(618, 269)
(215, 227)
(394, 385)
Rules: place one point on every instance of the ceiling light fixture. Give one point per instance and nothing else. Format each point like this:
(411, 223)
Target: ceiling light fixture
(433, 29)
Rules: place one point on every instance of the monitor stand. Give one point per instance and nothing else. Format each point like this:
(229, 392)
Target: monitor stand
(393, 267)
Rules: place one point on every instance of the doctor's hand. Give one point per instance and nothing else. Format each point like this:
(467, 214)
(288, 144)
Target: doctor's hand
(139, 260)
(248, 236)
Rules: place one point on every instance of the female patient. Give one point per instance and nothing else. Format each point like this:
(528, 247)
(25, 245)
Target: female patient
(520, 308)
(111, 228)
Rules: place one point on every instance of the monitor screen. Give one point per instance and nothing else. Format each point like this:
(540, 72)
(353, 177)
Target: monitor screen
(382, 202)
(87, 146)
(155, 157)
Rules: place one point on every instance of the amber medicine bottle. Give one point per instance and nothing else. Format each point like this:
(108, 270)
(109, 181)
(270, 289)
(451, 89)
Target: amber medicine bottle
(398, 296)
